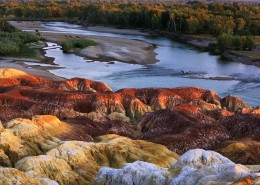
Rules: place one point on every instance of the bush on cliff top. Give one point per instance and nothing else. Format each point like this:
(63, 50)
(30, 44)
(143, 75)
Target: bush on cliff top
(70, 45)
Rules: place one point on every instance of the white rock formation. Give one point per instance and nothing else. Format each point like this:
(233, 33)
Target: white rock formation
(138, 172)
(195, 167)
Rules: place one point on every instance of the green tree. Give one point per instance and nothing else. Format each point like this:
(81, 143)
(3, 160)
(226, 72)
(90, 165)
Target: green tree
(225, 41)
(237, 43)
(249, 43)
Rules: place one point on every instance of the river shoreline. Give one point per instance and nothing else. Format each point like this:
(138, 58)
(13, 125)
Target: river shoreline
(201, 42)
(242, 58)
(180, 65)
(108, 48)
(139, 54)
(24, 65)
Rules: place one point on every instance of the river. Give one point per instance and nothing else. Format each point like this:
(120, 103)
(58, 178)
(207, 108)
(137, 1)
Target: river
(200, 68)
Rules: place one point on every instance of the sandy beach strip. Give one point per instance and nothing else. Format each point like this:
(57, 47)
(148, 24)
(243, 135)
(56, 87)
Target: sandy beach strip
(38, 70)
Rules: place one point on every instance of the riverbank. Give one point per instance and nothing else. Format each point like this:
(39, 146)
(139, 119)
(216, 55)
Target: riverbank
(24, 65)
(133, 51)
(201, 42)
(245, 57)
(107, 49)
(174, 57)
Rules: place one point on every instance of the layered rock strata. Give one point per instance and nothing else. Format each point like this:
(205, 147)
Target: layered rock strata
(179, 118)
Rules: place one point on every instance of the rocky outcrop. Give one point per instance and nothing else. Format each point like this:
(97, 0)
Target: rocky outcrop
(76, 162)
(179, 118)
(182, 128)
(13, 77)
(10, 176)
(27, 95)
(243, 151)
(137, 173)
(201, 167)
(10, 73)
(194, 167)
(113, 159)
(21, 138)
(234, 104)
(242, 125)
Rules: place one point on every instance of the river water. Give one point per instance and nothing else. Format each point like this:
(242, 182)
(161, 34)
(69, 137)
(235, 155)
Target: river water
(200, 68)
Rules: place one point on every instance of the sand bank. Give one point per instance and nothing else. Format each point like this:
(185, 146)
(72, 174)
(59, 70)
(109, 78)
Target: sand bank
(31, 69)
(108, 48)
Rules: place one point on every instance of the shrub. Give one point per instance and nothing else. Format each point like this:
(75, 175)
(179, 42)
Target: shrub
(71, 44)
(237, 43)
(8, 48)
(14, 43)
(249, 43)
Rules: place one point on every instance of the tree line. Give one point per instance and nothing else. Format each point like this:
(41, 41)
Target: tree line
(195, 18)
(198, 18)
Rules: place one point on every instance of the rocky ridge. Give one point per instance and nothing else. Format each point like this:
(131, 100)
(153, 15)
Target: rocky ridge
(194, 167)
(30, 154)
(179, 118)
(78, 131)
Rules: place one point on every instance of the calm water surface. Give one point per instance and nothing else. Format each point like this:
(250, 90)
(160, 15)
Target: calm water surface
(240, 80)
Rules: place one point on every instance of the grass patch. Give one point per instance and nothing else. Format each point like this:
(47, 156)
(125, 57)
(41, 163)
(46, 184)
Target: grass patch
(250, 54)
(257, 40)
(28, 52)
(72, 44)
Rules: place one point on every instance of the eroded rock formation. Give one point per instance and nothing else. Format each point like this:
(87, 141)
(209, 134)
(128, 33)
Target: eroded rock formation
(192, 168)
(20, 137)
(77, 162)
(179, 118)
(185, 126)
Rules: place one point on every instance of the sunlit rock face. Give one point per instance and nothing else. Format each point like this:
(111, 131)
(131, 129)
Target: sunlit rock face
(10, 176)
(233, 104)
(27, 95)
(13, 77)
(21, 138)
(194, 167)
(179, 118)
(77, 162)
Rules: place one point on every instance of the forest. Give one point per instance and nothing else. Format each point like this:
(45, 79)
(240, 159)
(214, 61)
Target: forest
(217, 19)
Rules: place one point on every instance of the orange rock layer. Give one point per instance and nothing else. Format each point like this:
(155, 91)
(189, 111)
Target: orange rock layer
(179, 118)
